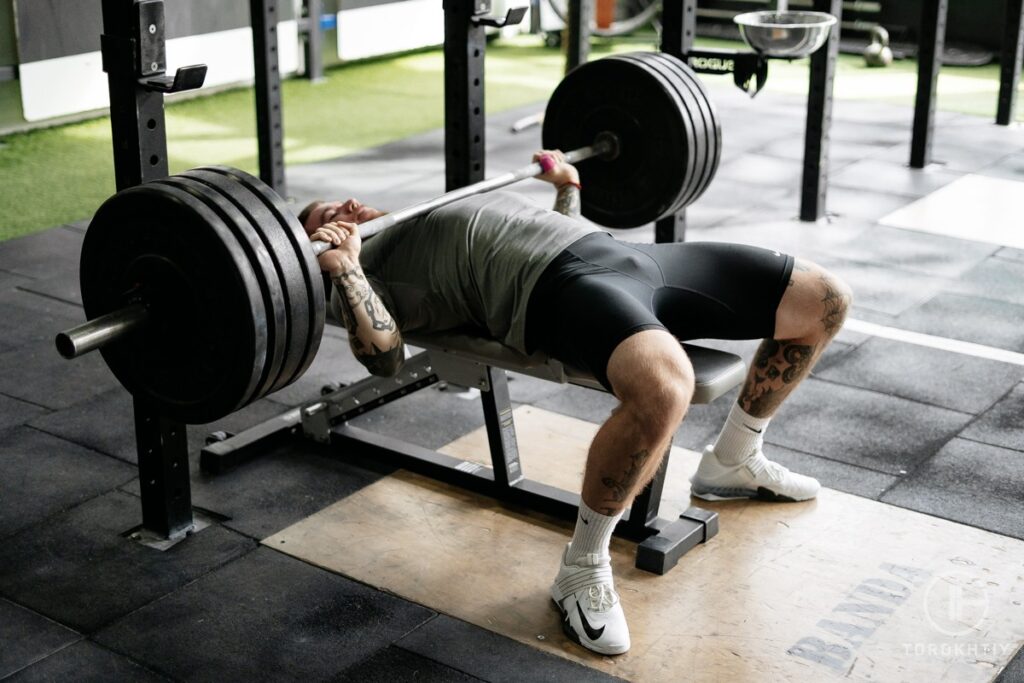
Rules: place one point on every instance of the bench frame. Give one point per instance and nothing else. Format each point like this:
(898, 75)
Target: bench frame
(473, 362)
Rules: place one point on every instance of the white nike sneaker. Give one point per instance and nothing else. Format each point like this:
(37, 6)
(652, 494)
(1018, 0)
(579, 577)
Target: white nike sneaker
(591, 612)
(755, 477)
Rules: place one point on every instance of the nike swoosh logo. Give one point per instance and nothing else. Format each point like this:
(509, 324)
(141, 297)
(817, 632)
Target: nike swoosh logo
(592, 633)
(584, 520)
(756, 431)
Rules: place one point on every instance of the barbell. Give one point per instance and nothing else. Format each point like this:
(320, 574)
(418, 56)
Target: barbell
(202, 290)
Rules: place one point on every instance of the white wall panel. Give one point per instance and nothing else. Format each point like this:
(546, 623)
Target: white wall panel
(69, 85)
(392, 27)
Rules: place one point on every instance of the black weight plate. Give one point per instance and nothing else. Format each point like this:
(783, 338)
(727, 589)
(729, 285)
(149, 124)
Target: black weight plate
(262, 268)
(704, 132)
(700, 91)
(692, 121)
(281, 254)
(199, 356)
(621, 96)
(300, 241)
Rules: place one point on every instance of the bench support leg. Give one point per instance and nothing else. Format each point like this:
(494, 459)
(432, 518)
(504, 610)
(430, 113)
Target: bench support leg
(501, 431)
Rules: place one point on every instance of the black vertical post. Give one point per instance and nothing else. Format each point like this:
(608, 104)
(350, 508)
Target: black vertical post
(678, 30)
(133, 46)
(929, 60)
(577, 33)
(163, 473)
(269, 123)
(1010, 62)
(814, 186)
(464, 44)
(136, 114)
(314, 40)
(501, 431)
(647, 503)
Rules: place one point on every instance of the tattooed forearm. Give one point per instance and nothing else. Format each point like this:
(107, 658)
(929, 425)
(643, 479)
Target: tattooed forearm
(372, 332)
(777, 367)
(620, 489)
(384, 363)
(568, 200)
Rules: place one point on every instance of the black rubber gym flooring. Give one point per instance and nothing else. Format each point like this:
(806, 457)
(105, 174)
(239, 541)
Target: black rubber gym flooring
(932, 430)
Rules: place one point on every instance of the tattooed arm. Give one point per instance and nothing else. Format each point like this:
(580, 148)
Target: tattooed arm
(567, 202)
(372, 333)
(563, 176)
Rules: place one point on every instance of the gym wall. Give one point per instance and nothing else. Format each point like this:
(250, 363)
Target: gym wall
(8, 53)
(368, 28)
(59, 42)
(55, 44)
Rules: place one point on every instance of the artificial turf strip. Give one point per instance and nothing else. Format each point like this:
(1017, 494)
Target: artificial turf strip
(62, 174)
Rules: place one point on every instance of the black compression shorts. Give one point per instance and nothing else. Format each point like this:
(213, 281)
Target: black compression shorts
(599, 291)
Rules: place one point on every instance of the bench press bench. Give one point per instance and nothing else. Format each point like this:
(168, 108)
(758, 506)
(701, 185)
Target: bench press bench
(473, 361)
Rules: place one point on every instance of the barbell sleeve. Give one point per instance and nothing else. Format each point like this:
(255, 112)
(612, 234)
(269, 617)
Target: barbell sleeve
(605, 144)
(99, 331)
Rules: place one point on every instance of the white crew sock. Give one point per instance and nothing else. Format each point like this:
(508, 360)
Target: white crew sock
(593, 533)
(741, 435)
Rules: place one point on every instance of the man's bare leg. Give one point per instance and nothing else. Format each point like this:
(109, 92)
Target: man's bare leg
(653, 379)
(810, 314)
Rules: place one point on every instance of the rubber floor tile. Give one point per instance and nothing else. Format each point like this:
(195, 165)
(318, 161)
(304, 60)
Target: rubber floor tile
(429, 417)
(395, 664)
(832, 473)
(24, 324)
(493, 657)
(77, 568)
(42, 254)
(969, 318)
(968, 482)
(28, 637)
(14, 412)
(265, 617)
(41, 475)
(1014, 671)
(86, 662)
(758, 170)
(865, 428)
(913, 251)
(278, 488)
(61, 287)
(1003, 424)
(106, 423)
(1010, 254)
(942, 378)
(892, 178)
(881, 288)
(994, 278)
(37, 374)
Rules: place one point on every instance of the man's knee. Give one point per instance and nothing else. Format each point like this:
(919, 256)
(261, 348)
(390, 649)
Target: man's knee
(815, 304)
(654, 379)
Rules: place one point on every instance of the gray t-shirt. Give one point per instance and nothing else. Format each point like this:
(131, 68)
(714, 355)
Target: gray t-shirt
(471, 264)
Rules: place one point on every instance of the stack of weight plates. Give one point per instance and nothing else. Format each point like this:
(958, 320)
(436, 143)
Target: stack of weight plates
(235, 294)
(670, 139)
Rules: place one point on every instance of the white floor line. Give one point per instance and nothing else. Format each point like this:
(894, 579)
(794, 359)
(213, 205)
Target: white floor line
(954, 345)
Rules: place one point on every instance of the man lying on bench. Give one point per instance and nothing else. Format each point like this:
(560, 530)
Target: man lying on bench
(545, 280)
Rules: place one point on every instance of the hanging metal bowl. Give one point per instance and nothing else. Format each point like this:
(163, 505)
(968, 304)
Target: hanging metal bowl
(785, 34)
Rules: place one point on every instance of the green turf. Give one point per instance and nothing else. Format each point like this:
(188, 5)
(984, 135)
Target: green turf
(61, 174)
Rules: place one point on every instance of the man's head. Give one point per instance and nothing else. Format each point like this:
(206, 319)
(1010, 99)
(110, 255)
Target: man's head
(319, 212)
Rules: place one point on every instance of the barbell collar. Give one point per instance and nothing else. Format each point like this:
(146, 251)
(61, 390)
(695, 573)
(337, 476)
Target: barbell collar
(100, 331)
(606, 145)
